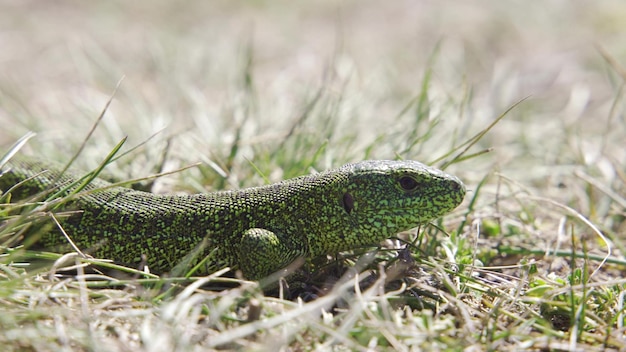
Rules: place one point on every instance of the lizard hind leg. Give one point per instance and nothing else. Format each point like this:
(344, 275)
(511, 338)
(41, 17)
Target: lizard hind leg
(263, 252)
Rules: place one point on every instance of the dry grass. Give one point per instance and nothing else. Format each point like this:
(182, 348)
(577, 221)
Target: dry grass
(261, 91)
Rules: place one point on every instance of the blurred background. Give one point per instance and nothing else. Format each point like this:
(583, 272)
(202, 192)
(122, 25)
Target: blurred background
(368, 78)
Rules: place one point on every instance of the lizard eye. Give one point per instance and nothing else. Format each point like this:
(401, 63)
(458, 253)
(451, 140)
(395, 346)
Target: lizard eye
(348, 202)
(408, 183)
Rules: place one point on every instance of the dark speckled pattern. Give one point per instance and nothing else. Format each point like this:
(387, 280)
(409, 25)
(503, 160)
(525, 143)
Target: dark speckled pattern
(258, 230)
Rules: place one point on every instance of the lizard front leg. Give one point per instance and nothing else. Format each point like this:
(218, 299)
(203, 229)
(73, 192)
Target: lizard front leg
(263, 252)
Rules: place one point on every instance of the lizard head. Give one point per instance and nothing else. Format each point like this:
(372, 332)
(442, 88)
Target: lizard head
(378, 198)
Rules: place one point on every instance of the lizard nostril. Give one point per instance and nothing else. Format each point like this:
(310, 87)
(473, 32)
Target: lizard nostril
(457, 186)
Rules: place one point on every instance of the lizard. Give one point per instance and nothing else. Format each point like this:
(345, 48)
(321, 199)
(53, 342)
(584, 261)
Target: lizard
(257, 230)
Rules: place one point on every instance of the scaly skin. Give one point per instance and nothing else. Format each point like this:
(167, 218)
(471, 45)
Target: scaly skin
(257, 230)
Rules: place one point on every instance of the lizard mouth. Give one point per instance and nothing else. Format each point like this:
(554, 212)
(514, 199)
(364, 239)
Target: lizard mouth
(404, 218)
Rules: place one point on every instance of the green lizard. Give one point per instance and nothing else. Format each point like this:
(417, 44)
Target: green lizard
(256, 230)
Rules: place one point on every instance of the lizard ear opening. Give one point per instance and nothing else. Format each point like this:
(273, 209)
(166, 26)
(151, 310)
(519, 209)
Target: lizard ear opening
(348, 202)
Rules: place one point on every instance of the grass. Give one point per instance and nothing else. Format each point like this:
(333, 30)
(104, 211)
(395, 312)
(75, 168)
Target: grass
(524, 104)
